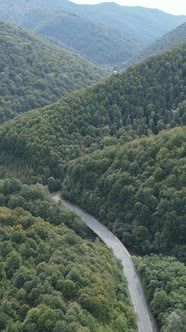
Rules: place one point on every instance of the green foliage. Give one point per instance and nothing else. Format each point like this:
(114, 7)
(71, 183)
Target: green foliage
(170, 39)
(143, 100)
(137, 190)
(53, 185)
(35, 72)
(143, 24)
(96, 42)
(51, 279)
(164, 280)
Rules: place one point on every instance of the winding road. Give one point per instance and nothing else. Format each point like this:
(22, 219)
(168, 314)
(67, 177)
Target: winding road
(145, 321)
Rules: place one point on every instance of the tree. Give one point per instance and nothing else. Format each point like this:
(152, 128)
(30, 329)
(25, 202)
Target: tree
(174, 322)
(160, 302)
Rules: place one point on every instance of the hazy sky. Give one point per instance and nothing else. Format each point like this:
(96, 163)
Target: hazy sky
(176, 7)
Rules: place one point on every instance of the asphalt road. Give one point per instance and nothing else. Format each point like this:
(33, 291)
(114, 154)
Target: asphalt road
(145, 321)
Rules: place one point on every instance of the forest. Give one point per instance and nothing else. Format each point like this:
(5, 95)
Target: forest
(141, 101)
(98, 43)
(164, 279)
(116, 148)
(106, 33)
(138, 190)
(35, 71)
(54, 276)
(166, 42)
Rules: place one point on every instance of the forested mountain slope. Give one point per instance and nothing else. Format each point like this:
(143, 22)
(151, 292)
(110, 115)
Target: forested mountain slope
(98, 43)
(35, 72)
(172, 38)
(143, 100)
(145, 24)
(95, 41)
(138, 190)
(52, 278)
(142, 23)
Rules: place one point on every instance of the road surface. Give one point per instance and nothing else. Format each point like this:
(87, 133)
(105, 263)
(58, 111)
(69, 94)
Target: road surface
(145, 321)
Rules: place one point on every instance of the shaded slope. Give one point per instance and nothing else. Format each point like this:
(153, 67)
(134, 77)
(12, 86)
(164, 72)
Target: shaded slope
(138, 190)
(143, 100)
(172, 38)
(143, 23)
(98, 43)
(35, 72)
(107, 29)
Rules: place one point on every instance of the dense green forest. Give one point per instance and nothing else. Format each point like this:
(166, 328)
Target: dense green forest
(98, 43)
(35, 72)
(143, 100)
(138, 190)
(105, 33)
(51, 279)
(172, 38)
(165, 279)
(118, 149)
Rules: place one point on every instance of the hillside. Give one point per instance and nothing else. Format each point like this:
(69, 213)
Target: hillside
(138, 190)
(109, 33)
(117, 149)
(172, 38)
(143, 100)
(145, 24)
(35, 72)
(142, 23)
(96, 42)
(52, 278)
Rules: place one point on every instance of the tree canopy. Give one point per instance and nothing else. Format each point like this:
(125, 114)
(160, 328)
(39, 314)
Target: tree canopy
(143, 100)
(164, 281)
(35, 71)
(138, 190)
(51, 278)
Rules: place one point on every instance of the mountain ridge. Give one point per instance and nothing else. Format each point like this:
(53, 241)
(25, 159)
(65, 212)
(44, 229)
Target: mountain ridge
(126, 29)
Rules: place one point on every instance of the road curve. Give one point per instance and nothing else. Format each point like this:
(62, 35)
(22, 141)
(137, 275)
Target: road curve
(145, 321)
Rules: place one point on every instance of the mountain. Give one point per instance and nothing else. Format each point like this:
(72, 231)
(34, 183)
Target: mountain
(97, 43)
(109, 33)
(143, 100)
(35, 72)
(172, 38)
(144, 24)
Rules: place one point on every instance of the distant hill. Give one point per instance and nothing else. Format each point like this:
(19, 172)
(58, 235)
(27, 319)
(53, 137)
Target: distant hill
(107, 33)
(96, 42)
(145, 24)
(35, 72)
(172, 38)
(143, 100)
